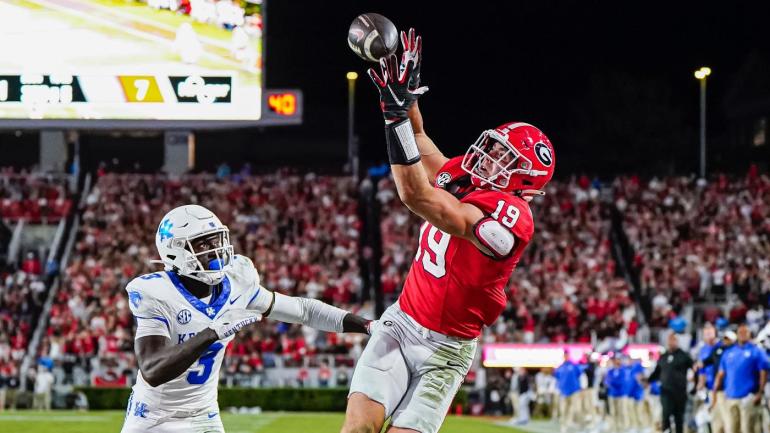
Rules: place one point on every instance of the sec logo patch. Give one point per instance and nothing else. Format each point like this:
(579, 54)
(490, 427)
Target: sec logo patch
(443, 179)
(184, 317)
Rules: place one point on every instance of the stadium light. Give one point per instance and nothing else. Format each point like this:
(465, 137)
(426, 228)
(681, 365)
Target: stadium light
(701, 75)
(352, 142)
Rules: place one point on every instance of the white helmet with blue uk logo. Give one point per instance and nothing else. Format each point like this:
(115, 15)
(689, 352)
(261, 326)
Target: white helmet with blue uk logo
(193, 242)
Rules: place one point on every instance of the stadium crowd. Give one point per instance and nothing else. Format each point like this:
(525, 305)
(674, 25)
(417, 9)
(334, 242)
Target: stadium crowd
(22, 294)
(36, 198)
(698, 241)
(32, 196)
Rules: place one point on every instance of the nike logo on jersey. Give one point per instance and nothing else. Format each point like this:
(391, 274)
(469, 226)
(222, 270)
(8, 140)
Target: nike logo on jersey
(232, 301)
(212, 415)
(400, 102)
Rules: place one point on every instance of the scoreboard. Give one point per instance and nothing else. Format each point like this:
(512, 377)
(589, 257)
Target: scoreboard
(128, 64)
(37, 91)
(195, 100)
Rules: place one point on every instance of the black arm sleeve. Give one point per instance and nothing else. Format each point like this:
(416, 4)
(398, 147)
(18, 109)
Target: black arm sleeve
(354, 323)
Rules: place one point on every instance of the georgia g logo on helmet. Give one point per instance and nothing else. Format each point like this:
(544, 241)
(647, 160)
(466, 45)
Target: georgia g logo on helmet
(543, 154)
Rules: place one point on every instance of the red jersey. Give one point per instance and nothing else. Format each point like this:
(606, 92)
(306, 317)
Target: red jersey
(454, 288)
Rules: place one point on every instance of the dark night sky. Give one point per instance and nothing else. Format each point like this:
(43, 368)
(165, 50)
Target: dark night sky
(494, 61)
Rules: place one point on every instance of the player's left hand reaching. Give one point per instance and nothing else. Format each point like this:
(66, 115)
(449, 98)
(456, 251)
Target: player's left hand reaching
(399, 87)
(399, 83)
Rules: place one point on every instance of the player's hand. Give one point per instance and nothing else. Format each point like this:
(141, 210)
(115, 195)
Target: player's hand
(399, 84)
(233, 321)
(412, 45)
(757, 399)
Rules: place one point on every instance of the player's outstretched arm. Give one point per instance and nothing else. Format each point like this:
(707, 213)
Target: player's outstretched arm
(431, 157)
(308, 312)
(436, 206)
(399, 88)
(161, 361)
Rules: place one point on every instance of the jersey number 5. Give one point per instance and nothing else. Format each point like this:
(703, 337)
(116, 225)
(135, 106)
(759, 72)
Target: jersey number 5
(206, 362)
(435, 265)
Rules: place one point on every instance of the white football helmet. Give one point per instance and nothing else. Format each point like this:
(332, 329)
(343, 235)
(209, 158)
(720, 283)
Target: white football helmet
(174, 240)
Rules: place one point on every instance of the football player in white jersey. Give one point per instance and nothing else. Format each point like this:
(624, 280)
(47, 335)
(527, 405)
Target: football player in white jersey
(188, 313)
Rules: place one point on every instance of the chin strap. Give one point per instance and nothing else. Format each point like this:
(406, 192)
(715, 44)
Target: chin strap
(529, 194)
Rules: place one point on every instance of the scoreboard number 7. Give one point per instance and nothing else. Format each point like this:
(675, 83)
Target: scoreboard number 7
(140, 88)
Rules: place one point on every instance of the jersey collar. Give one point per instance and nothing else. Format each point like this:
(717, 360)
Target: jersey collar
(217, 301)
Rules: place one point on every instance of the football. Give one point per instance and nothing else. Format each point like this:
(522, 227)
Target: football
(372, 36)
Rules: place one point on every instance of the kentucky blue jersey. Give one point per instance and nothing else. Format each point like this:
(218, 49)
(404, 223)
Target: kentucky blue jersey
(162, 306)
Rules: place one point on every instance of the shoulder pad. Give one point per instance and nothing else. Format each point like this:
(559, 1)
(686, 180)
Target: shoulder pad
(498, 240)
(146, 281)
(143, 290)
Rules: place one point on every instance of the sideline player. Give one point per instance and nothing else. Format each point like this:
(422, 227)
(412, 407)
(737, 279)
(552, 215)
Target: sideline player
(477, 224)
(187, 314)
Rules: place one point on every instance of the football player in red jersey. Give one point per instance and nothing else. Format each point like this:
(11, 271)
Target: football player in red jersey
(477, 224)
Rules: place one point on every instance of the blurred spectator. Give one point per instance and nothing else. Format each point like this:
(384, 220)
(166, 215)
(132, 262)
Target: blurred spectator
(324, 375)
(44, 381)
(520, 396)
(545, 388)
(568, 383)
(31, 264)
(743, 372)
(3, 386)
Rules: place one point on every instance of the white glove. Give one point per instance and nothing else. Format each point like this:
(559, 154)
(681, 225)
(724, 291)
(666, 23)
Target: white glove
(233, 321)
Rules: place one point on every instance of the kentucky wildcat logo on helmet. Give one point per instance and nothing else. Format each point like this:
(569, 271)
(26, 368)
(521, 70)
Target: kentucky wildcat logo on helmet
(190, 225)
(514, 157)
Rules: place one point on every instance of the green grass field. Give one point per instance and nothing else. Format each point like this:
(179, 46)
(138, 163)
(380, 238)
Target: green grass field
(283, 422)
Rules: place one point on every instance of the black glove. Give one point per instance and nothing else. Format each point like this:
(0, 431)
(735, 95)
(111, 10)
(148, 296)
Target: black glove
(399, 84)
